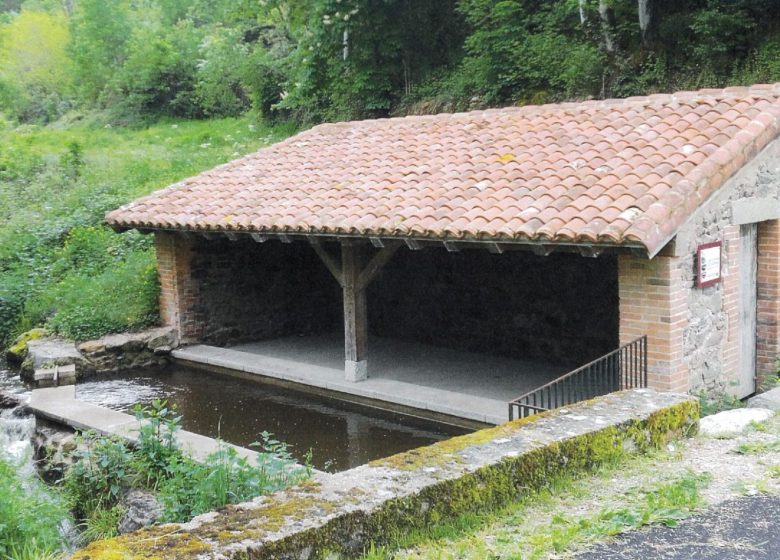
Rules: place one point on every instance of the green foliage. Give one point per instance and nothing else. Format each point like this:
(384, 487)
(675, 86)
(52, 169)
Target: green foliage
(82, 307)
(158, 76)
(522, 52)
(98, 475)
(35, 72)
(30, 515)
(104, 468)
(100, 31)
(343, 68)
(713, 402)
(156, 449)
(58, 263)
(102, 523)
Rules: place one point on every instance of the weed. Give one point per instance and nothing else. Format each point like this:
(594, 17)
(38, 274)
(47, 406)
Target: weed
(102, 523)
(717, 401)
(757, 447)
(105, 467)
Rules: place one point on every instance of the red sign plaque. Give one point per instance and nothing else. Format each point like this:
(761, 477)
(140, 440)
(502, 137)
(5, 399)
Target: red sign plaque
(708, 264)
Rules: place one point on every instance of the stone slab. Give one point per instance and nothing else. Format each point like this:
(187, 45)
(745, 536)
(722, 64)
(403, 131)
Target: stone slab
(731, 422)
(770, 399)
(43, 351)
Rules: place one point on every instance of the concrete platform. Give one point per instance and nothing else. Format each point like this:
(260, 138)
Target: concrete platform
(448, 382)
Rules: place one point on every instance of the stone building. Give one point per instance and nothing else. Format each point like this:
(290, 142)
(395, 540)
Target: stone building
(546, 234)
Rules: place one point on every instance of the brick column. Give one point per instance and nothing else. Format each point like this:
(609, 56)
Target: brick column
(653, 302)
(768, 328)
(178, 290)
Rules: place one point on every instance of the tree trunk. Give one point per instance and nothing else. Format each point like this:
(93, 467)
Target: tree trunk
(647, 22)
(607, 16)
(583, 15)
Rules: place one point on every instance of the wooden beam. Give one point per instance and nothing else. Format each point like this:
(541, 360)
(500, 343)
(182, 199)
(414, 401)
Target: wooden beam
(413, 244)
(375, 265)
(355, 314)
(377, 242)
(589, 251)
(542, 250)
(259, 237)
(328, 261)
(231, 235)
(451, 246)
(495, 248)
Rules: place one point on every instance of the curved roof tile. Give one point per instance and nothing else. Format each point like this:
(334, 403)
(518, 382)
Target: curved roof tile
(577, 168)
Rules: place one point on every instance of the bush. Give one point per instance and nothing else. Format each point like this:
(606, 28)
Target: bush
(30, 515)
(123, 297)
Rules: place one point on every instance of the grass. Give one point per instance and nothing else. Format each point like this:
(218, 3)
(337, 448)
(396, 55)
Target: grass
(542, 523)
(59, 265)
(30, 515)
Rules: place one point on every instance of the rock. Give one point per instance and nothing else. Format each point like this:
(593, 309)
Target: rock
(53, 450)
(119, 352)
(770, 400)
(162, 350)
(18, 350)
(162, 338)
(141, 510)
(50, 352)
(92, 346)
(731, 422)
(8, 400)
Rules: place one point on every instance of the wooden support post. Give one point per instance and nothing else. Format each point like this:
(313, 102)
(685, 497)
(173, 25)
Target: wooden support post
(355, 314)
(354, 278)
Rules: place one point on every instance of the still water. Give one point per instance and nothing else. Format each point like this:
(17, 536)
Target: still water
(340, 435)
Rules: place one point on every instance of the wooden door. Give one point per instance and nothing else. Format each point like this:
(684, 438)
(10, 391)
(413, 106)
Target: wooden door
(747, 321)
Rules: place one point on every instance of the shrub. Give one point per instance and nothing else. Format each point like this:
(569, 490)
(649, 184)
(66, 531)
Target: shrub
(119, 298)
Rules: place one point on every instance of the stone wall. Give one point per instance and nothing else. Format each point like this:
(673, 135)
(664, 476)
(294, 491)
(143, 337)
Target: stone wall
(242, 290)
(711, 342)
(561, 308)
(694, 334)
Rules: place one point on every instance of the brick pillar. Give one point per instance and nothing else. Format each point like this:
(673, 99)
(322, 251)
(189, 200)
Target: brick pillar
(178, 290)
(653, 302)
(768, 328)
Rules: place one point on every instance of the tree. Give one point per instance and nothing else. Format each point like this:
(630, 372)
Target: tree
(100, 30)
(35, 72)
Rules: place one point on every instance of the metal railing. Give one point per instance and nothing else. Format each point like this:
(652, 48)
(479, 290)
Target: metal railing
(624, 368)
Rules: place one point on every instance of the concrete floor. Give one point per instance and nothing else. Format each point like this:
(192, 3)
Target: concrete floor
(444, 381)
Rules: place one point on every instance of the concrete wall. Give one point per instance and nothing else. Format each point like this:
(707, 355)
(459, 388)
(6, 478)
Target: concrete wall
(561, 308)
(694, 334)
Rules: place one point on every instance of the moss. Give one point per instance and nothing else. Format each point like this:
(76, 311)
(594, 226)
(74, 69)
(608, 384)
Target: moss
(18, 350)
(445, 451)
(157, 543)
(240, 524)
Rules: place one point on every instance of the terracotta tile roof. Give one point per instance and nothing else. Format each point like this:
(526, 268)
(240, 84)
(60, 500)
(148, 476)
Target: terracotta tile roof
(622, 172)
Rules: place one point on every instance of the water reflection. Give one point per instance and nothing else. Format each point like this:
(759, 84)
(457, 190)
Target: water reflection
(340, 435)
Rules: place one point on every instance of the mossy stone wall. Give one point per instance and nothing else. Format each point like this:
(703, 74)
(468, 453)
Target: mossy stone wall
(339, 516)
